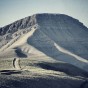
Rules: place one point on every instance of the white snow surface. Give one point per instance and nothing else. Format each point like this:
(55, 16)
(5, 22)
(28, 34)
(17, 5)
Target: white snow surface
(23, 39)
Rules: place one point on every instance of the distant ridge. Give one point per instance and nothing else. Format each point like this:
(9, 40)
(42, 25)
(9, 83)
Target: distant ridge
(30, 21)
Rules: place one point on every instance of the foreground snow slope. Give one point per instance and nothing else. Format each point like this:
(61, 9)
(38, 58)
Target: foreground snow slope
(41, 72)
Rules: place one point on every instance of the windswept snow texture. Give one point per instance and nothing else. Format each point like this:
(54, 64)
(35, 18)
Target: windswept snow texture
(65, 31)
(56, 35)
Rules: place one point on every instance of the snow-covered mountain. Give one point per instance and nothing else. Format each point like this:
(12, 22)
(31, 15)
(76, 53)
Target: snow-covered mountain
(55, 35)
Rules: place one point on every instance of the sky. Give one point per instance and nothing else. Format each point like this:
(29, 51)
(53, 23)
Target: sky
(12, 10)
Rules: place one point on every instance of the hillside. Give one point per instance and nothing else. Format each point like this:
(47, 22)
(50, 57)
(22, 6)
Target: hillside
(50, 42)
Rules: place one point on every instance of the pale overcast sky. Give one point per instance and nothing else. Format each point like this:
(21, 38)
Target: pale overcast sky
(12, 10)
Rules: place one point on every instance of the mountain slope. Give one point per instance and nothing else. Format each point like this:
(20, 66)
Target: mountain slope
(50, 51)
(44, 34)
